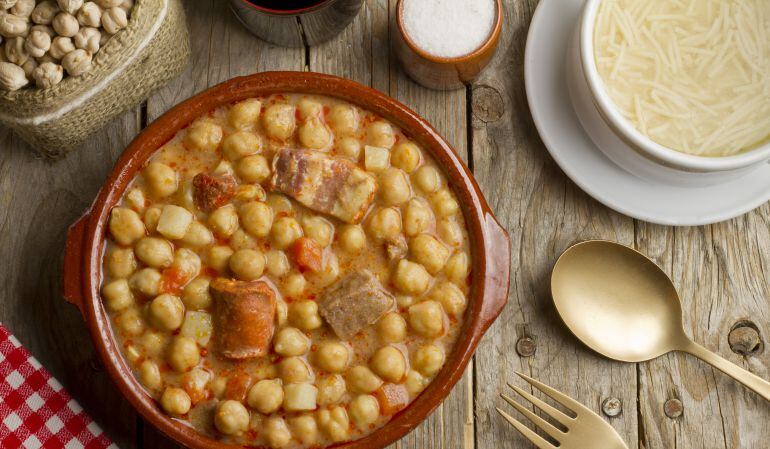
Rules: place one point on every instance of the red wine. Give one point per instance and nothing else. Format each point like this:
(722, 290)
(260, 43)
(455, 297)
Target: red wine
(285, 5)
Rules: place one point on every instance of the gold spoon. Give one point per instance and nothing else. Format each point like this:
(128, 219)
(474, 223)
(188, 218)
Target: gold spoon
(623, 306)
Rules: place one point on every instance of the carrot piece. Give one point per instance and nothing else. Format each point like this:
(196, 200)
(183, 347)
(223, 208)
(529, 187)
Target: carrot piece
(392, 398)
(307, 254)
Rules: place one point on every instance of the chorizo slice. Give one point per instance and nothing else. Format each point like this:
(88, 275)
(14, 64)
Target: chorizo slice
(333, 186)
(212, 192)
(244, 317)
(354, 302)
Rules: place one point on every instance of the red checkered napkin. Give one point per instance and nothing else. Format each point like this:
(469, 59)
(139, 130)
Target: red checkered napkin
(35, 411)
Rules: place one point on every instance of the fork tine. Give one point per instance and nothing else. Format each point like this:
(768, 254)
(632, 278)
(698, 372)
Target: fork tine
(536, 439)
(547, 427)
(549, 410)
(556, 395)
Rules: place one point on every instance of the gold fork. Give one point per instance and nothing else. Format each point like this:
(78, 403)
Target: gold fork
(586, 430)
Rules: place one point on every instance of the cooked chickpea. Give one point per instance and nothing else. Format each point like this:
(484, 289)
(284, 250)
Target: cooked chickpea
(429, 251)
(450, 231)
(404, 301)
(411, 278)
(290, 341)
(146, 281)
(360, 379)
(277, 263)
(120, 263)
(350, 147)
(125, 226)
(276, 432)
(278, 120)
(334, 423)
(256, 218)
(187, 264)
(174, 222)
(132, 354)
(151, 218)
(343, 119)
(224, 221)
(253, 168)
(331, 389)
(241, 144)
(219, 257)
(247, 264)
(130, 322)
(285, 231)
(332, 357)
(280, 204)
(444, 203)
(428, 179)
(406, 156)
(415, 383)
(427, 319)
(149, 375)
(304, 315)
(218, 385)
(175, 401)
(330, 271)
(428, 360)
(391, 328)
(183, 354)
(352, 238)
(166, 312)
(117, 295)
(161, 179)
(250, 192)
(364, 411)
(281, 312)
(155, 252)
(385, 224)
(245, 114)
(318, 229)
(197, 235)
(452, 299)
(389, 363)
(294, 285)
(380, 134)
(294, 370)
(394, 186)
(266, 396)
(418, 217)
(304, 429)
(154, 342)
(203, 135)
(308, 108)
(314, 134)
(231, 417)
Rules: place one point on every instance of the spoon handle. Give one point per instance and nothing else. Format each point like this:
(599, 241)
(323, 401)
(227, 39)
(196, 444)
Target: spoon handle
(751, 381)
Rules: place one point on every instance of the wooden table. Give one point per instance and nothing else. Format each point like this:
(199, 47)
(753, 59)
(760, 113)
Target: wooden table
(722, 270)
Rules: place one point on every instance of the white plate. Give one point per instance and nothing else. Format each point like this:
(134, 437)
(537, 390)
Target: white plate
(549, 37)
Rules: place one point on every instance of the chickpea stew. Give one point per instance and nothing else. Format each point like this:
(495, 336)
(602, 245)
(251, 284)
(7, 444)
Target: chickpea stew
(288, 271)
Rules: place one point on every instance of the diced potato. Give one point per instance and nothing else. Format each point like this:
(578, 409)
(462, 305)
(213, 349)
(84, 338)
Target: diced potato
(198, 326)
(174, 222)
(376, 159)
(299, 397)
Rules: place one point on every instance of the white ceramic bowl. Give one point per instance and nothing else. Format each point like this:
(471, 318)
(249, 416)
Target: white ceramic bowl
(699, 169)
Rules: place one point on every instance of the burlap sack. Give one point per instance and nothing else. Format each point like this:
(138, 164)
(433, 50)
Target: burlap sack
(153, 49)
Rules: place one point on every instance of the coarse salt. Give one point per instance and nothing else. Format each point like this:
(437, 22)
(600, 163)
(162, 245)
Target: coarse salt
(449, 28)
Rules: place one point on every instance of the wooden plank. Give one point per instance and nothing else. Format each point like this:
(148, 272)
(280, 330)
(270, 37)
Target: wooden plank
(544, 213)
(722, 275)
(38, 201)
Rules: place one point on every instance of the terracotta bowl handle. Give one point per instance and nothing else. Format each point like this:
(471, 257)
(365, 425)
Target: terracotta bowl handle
(498, 262)
(72, 282)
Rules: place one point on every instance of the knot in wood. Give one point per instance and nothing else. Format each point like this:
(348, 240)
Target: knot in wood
(673, 408)
(526, 347)
(488, 104)
(612, 407)
(744, 338)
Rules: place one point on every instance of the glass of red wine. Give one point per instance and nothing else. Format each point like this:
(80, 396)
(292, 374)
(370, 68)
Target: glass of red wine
(296, 23)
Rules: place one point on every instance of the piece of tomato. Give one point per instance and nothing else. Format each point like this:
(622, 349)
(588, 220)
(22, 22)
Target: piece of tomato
(307, 254)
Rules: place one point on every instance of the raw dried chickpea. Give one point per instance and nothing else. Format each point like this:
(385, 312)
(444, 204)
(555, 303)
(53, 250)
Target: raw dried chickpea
(120, 263)
(88, 39)
(352, 238)
(428, 359)
(183, 354)
(364, 411)
(90, 15)
(304, 315)
(204, 136)
(331, 389)
(450, 231)
(245, 114)
(418, 217)
(29, 67)
(391, 328)
(314, 134)
(452, 299)
(456, 268)
(47, 29)
(411, 278)
(389, 363)
(196, 294)
(130, 322)
(360, 379)
(224, 221)
(231, 417)
(117, 295)
(332, 357)
(293, 370)
(266, 396)
(427, 319)
(241, 144)
(343, 119)
(304, 429)
(247, 264)
(109, 3)
(114, 19)
(334, 423)
(277, 263)
(219, 257)
(276, 432)
(65, 24)
(278, 120)
(349, 147)
(166, 312)
(175, 401)
(44, 12)
(318, 229)
(394, 186)
(380, 134)
(23, 8)
(285, 231)
(125, 226)
(149, 375)
(253, 168)
(161, 179)
(70, 6)
(12, 77)
(428, 179)
(37, 43)
(197, 235)
(256, 218)
(429, 251)
(406, 156)
(146, 281)
(60, 46)
(15, 51)
(385, 224)
(155, 252)
(290, 341)
(12, 26)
